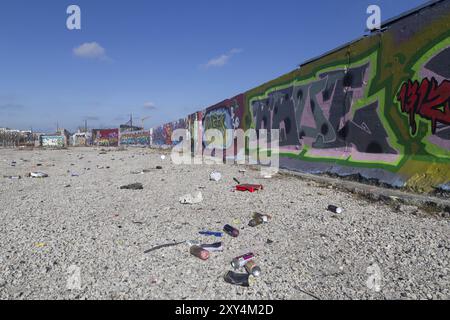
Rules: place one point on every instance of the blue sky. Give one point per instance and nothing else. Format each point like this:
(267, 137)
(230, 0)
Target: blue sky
(163, 59)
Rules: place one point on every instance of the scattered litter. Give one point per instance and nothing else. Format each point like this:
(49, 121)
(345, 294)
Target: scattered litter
(231, 231)
(267, 177)
(67, 186)
(74, 174)
(249, 187)
(13, 177)
(237, 221)
(199, 252)
(252, 268)
(269, 241)
(335, 209)
(39, 165)
(133, 186)
(137, 172)
(259, 219)
(164, 246)
(241, 261)
(159, 167)
(242, 171)
(191, 243)
(237, 181)
(38, 175)
(211, 233)
(241, 279)
(215, 247)
(215, 176)
(192, 199)
(40, 245)
(163, 157)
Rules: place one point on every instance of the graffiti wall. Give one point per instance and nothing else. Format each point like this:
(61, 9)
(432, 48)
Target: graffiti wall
(53, 141)
(162, 135)
(377, 109)
(135, 138)
(106, 137)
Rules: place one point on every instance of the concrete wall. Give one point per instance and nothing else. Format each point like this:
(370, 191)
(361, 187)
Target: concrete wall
(134, 138)
(53, 141)
(377, 109)
(106, 137)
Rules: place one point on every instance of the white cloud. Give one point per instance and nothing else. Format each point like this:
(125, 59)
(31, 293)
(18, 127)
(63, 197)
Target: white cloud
(149, 105)
(222, 59)
(91, 50)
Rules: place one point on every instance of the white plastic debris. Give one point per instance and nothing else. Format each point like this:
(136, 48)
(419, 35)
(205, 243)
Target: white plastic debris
(38, 175)
(192, 198)
(163, 157)
(215, 176)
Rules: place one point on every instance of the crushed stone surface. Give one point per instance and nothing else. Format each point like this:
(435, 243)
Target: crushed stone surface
(54, 229)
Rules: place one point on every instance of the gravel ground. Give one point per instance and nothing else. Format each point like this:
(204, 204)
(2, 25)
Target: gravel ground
(54, 226)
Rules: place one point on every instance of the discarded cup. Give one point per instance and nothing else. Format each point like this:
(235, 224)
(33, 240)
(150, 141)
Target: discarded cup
(241, 261)
(215, 247)
(231, 231)
(240, 279)
(252, 268)
(335, 209)
(199, 252)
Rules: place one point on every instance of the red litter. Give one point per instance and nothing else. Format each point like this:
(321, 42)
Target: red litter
(249, 187)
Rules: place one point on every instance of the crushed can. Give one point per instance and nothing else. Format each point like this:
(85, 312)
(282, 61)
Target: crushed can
(240, 279)
(252, 268)
(259, 219)
(239, 262)
(249, 187)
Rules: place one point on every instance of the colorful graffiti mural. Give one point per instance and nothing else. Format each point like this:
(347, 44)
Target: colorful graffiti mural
(377, 108)
(53, 141)
(162, 135)
(223, 116)
(106, 137)
(135, 138)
